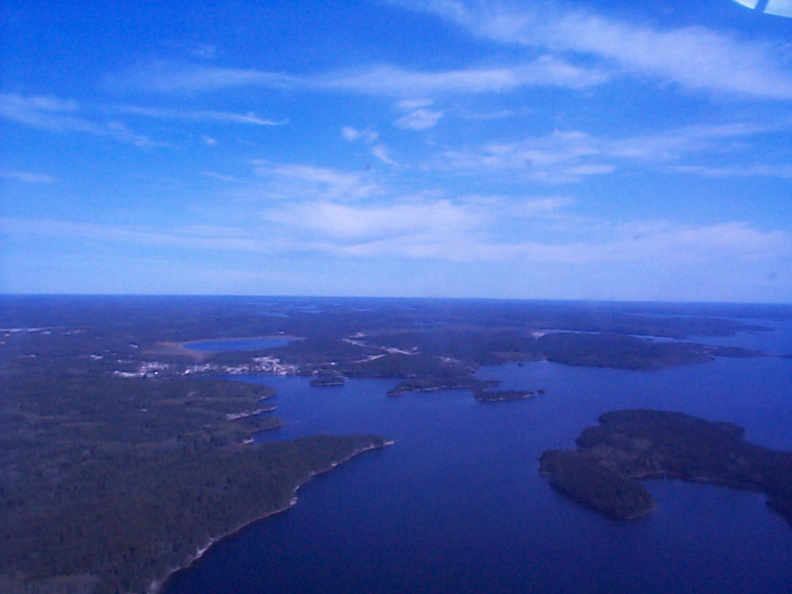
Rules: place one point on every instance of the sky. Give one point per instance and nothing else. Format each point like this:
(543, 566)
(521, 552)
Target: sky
(419, 148)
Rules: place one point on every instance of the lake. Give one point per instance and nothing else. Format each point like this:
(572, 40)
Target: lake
(457, 503)
(238, 344)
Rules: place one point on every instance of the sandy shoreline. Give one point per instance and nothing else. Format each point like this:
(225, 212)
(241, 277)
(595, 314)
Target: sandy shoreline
(156, 585)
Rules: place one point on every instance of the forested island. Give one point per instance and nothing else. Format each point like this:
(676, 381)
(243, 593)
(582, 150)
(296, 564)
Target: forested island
(433, 384)
(633, 445)
(328, 381)
(505, 395)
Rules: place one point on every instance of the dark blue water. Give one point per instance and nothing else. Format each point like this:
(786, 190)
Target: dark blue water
(238, 344)
(457, 504)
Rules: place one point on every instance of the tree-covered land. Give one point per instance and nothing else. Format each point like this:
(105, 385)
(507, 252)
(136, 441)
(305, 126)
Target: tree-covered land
(362, 337)
(632, 445)
(106, 483)
(432, 384)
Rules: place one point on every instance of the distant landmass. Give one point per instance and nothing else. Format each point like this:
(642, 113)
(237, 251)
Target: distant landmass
(632, 445)
(134, 337)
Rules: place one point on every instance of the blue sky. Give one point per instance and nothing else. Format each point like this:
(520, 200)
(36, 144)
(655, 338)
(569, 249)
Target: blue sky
(439, 148)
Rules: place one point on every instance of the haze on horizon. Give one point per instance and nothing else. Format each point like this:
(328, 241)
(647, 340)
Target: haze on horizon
(437, 148)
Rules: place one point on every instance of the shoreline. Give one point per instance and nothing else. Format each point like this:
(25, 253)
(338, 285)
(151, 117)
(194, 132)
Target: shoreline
(182, 349)
(186, 345)
(157, 584)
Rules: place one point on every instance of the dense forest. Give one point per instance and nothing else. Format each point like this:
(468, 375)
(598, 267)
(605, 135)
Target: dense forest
(632, 445)
(106, 483)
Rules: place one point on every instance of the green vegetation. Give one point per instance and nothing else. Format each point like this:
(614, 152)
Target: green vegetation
(271, 423)
(643, 444)
(585, 480)
(432, 384)
(107, 483)
(352, 338)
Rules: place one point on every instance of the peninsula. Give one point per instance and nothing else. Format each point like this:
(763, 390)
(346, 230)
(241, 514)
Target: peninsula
(108, 483)
(632, 445)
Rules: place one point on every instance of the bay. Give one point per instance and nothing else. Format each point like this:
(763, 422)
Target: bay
(457, 503)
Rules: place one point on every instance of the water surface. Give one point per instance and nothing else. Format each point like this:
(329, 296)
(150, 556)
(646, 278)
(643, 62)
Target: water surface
(238, 344)
(457, 504)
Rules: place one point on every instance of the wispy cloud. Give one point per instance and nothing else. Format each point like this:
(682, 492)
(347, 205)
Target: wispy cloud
(291, 181)
(670, 242)
(756, 170)
(192, 236)
(381, 152)
(457, 232)
(199, 115)
(169, 77)
(419, 119)
(394, 81)
(222, 177)
(351, 134)
(573, 155)
(62, 116)
(369, 137)
(544, 207)
(559, 157)
(695, 58)
(353, 224)
(672, 144)
(65, 115)
(28, 177)
(383, 79)
(431, 229)
(488, 115)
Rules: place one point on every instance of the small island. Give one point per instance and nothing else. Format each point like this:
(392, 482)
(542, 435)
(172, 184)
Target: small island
(632, 445)
(433, 384)
(504, 395)
(328, 381)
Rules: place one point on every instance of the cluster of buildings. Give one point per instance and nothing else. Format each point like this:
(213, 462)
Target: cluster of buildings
(270, 365)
